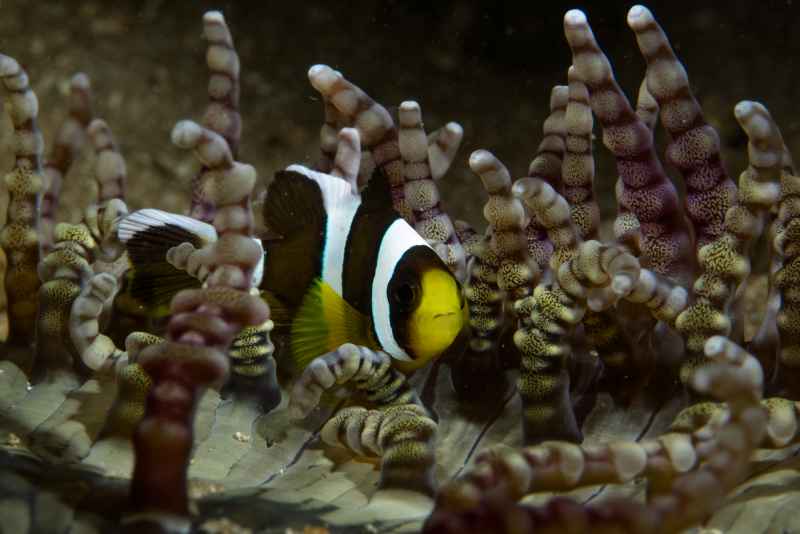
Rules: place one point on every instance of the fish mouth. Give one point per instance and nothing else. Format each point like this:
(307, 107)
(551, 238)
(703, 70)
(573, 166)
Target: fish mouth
(448, 314)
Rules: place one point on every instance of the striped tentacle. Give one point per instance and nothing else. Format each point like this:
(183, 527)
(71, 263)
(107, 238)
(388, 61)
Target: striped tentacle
(694, 144)
(787, 282)
(110, 173)
(67, 144)
(500, 270)
(347, 157)
(64, 271)
(25, 182)
(222, 112)
(782, 420)
(647, 106)
(252, 357)
(421, 192)
(375, 126)
(577, 169)
(470, 239)
(328, 139)
(546, 165)
(724, 263)
(256, 375)
(602, 328)
(79, 275)
(517, 273)
(202, 325)
(648, 202)
(693, 471)
(557, 307)
(403, 436)
(548, 161)
(544, 380)
(367, 371)
(443, 144)
(133, 386)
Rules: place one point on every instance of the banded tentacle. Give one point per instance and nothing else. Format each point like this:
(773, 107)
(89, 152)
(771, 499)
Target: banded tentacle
(725, 262)
(203, 323)
(254, 370)
(25, 182)
(402, 436)
(360, 368)
(79, 275)
(787, 281)
(648, 202)
(690, 474)
(378, 132)
(577, 169)
(67, 144)
(222, 112)
(421, 192)
(694, 144)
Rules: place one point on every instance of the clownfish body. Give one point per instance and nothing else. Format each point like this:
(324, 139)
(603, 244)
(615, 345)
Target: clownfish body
(351, 270)
(345, 269)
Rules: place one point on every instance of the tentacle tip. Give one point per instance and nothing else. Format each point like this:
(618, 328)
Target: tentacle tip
(575, 17)
(595, 304)
(185, 133)
(559, 95)
(409, 105)
(743, 108)
(714, 346)
(80, 80)
(351, 136)
(454, 128)
(621, 285)
(96, 126)
(8, 65)
(701, 382)
(522, 188)
(480, 159)
(322, 76)
(213, 17)
(639, 16)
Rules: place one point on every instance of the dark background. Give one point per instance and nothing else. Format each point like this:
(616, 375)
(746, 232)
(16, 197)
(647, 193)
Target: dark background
(489, 66)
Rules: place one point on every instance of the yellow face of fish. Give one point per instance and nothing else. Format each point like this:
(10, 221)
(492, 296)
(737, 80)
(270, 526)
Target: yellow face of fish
(436, 321)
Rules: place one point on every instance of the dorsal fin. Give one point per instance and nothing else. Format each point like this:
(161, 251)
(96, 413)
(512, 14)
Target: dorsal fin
(148, 234)
(377, 195)
(295, 210)
(293, 202)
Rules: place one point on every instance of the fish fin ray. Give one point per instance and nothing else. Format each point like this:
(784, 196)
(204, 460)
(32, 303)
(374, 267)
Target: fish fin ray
(154, 285)
(293, 203)
(324, 322)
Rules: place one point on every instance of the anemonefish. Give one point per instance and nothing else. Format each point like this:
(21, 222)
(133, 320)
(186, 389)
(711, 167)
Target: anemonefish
(343, 268)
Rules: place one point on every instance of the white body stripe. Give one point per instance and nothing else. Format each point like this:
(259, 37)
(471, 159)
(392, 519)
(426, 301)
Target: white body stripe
(340, 207)
(399, 237)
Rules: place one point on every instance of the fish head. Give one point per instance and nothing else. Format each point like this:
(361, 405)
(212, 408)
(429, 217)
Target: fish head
(428, 308)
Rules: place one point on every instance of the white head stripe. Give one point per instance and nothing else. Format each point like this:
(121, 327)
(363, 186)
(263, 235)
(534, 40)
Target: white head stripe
(340, 207)
(399, 237)
(258, 272)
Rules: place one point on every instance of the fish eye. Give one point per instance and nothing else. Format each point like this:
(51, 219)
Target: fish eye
(405, 295)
